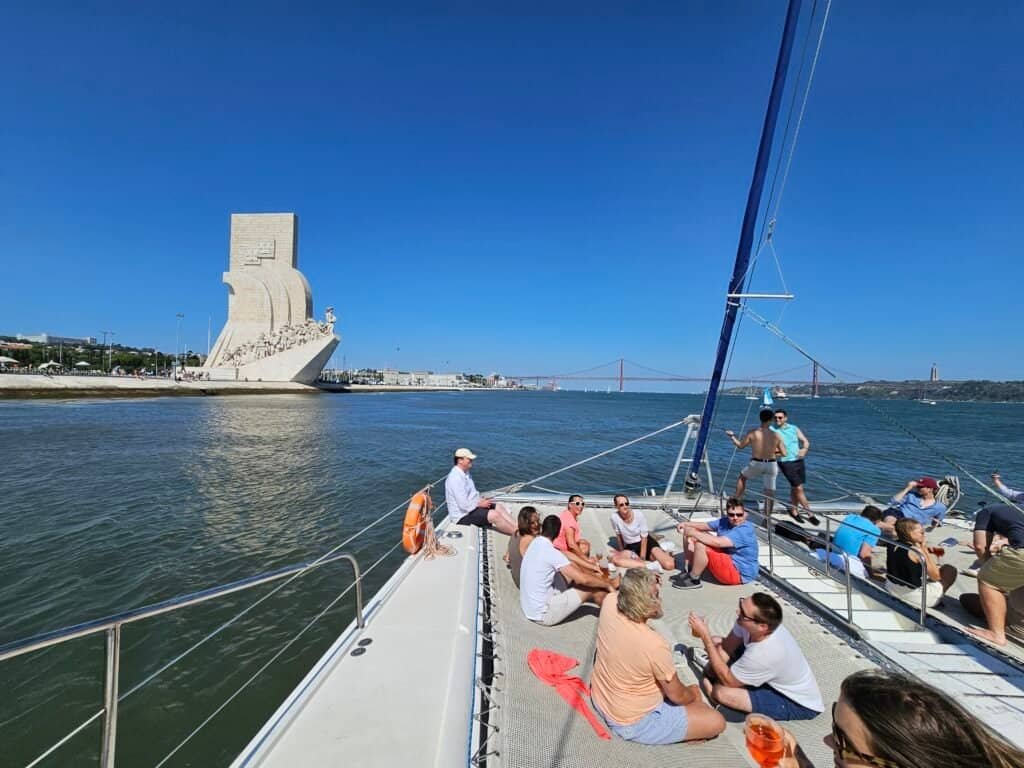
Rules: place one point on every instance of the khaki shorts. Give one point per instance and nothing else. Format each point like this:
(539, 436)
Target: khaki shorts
(561, 606)
(1005, 571)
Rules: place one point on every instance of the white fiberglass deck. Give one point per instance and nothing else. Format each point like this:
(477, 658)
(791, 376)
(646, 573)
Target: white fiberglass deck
(407, 698)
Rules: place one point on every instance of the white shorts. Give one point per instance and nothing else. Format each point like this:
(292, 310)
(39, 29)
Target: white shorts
(913, 595)
(766, 470)
(561, 606)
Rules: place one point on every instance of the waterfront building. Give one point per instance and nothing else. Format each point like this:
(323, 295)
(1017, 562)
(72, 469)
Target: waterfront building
(47, 338)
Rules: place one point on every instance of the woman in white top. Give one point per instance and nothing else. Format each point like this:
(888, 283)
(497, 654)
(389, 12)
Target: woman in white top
(636, 546)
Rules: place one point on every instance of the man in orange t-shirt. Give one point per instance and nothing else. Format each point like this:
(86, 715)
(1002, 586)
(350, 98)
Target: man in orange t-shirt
(635, 686)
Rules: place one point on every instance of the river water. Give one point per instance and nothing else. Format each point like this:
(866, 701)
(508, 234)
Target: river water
(111, 504)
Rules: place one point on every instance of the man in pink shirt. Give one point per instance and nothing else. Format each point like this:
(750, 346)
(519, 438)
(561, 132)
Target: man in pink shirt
(577, 549)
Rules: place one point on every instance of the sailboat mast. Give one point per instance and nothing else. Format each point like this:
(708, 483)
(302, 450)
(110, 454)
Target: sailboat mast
(739, 271)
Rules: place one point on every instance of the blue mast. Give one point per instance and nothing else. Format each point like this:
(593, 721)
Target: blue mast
(739, 271)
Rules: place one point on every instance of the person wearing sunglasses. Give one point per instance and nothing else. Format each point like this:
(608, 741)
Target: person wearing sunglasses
(759, 666)
(889, 720)
(636, 546)
(726, 547)
(792, 465)
(569, 542)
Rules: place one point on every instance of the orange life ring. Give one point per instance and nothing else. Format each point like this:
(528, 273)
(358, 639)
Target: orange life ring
(415, 527)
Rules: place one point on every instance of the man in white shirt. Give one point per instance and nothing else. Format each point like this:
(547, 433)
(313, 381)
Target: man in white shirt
(545, 594)
(759, 667)
(465, 505)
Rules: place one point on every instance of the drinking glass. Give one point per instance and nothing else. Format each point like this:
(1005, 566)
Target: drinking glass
(764, 740)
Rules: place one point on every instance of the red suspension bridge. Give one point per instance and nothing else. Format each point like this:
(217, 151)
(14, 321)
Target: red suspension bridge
(616, 371)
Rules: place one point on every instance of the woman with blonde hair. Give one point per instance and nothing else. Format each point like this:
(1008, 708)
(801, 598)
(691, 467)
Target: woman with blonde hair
(635, 686)
(890, 720)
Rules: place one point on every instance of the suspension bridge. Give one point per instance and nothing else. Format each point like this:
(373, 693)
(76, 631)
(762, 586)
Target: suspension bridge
(617, 371)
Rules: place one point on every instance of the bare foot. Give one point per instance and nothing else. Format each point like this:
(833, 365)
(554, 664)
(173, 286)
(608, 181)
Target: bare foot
(988, 635)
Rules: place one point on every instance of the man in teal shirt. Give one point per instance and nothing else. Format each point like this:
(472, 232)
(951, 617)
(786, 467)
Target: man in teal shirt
(792, 464)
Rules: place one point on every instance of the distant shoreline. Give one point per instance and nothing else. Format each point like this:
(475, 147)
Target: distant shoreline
(39, 386)
(969, 391)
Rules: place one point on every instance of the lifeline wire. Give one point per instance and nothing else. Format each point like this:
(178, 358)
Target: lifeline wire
(229, 622)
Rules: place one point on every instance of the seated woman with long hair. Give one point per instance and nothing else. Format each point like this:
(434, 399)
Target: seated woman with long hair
(889, 720)
(903, 567)
(529, 527)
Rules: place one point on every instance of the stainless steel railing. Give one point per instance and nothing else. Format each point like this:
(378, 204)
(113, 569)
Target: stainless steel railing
(112, 626)
(827, 542)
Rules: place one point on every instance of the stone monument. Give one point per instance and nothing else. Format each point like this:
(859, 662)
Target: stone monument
(270, 334)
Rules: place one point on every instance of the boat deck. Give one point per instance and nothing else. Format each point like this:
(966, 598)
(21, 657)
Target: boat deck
(414, 686)
(539, 729)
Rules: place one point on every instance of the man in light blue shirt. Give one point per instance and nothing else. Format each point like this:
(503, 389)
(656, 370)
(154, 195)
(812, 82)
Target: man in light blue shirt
(792, 464)
(1009, 493)
(916, 501)
(465, 505)
(856, 537)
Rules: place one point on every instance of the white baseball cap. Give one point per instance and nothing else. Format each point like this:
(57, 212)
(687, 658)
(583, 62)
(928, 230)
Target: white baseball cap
(464, 453)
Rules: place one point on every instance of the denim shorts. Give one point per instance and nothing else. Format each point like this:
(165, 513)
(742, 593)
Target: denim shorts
(665, 724)
(765, 700)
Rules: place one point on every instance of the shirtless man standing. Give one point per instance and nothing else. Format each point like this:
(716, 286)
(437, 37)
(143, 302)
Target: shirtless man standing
(766, 447)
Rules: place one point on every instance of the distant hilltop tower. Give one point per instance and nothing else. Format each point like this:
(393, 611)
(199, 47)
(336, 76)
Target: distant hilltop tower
(935, 373)
(270, 334)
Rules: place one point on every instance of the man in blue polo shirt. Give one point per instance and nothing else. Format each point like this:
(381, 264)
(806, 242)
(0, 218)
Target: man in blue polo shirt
(857, 536)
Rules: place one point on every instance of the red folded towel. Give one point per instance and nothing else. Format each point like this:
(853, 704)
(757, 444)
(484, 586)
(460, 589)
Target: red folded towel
(551, 667)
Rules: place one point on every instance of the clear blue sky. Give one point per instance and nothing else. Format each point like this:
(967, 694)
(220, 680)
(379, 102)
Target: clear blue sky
(519, 189)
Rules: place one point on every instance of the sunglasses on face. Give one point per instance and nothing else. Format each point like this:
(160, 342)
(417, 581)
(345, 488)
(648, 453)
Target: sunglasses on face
(622, 504)
(579, 503)
(743, 616)
(846, 752)
(735, 514)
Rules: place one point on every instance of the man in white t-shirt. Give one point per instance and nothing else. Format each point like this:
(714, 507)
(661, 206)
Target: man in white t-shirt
(546, 574)
(759, 667)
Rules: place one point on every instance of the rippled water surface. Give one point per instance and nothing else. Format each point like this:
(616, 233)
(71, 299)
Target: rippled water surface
(107, 505)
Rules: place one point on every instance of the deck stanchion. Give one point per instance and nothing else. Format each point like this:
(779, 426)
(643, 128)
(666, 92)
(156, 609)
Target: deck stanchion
(110, 696)
(360, 622)
(771, 550)
(849, 589)
(828, 542)
(924, 589)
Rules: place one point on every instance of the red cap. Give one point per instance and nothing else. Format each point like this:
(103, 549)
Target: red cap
(928, 482)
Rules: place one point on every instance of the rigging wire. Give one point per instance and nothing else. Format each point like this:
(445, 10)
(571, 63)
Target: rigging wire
(147, 680)
(272, 659)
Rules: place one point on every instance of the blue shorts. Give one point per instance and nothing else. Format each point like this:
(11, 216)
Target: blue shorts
(665, 724)
(765, 700)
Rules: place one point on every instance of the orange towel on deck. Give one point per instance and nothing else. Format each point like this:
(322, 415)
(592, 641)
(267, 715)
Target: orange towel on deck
(551, 668)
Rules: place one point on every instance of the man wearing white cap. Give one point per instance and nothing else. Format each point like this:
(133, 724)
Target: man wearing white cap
(465, 505)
